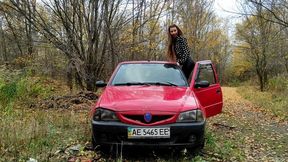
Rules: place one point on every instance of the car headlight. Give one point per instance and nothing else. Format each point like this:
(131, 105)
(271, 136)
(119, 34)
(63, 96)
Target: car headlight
(191, 116)
(104, 115)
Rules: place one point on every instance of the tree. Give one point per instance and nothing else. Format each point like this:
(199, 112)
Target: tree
(139, 39)
(257, 35)
(262, 37)
(18, 31)
(3, 42)
(277, 9)
(94, 35)
(197, 20)
(82, 33)
(275, 13)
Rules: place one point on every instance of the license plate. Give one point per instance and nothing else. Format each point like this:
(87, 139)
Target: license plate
(148, 132)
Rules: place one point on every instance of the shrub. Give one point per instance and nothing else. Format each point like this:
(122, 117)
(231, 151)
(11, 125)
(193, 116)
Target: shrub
(279, 84)
(7, 96)
(20, 87)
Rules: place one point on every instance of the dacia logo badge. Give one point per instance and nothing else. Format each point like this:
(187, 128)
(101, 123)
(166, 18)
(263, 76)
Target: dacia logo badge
(147, 117)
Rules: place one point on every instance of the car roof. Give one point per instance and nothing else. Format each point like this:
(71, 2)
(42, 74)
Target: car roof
(205, 62)
(147, 62)
(160, 62)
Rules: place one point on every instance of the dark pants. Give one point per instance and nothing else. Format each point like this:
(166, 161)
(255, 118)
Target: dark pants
(188, 67)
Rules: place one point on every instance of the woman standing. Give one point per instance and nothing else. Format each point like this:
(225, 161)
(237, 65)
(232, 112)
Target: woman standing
(178, 50)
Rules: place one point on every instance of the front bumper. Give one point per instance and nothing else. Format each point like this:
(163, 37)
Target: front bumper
(181, 134)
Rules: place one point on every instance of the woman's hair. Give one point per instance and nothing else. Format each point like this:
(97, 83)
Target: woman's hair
(170, 52)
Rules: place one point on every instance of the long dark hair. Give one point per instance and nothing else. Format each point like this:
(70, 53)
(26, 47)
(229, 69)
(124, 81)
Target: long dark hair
(170, 52)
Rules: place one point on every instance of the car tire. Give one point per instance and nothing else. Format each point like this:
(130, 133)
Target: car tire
(94, 143)
(201, 141)
(106, 149)
(197, 149)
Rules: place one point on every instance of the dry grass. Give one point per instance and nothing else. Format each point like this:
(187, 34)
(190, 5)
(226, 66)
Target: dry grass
(274, 102)
(38, 134)
(27, 132)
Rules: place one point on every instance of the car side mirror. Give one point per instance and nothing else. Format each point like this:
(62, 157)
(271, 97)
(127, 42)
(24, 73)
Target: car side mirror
(101, 83)
(202, 84)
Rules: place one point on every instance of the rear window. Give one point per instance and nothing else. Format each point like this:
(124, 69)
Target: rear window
(149, 73)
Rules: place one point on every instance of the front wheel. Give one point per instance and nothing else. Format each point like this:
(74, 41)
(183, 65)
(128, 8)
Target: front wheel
(201, 142)
(106, 149)
(197, 149)
(94, 144)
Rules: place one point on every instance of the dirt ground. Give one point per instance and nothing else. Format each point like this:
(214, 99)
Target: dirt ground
(258, 134)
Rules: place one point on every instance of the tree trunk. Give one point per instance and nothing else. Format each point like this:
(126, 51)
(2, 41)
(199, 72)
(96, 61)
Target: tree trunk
(3, 42)
(260, 78)
(286, 65)
(16, 38)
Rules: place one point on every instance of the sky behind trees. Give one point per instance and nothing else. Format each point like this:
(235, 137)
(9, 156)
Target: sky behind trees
(222, 7)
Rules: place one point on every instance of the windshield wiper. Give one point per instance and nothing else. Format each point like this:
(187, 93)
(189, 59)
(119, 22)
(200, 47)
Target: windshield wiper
(131, 83)
(164, 83)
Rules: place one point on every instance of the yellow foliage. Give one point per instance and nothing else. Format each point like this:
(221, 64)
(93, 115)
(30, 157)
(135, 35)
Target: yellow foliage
(240, 63)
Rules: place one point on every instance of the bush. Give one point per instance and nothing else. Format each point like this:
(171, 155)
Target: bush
(8, 93)
(32, 87)
(271, 100)
(278, 84)
(20, 87)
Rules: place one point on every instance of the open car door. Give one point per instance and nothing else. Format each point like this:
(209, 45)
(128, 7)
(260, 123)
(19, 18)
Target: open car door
(204, 83)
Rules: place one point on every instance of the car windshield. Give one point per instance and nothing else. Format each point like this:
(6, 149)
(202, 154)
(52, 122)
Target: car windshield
(149, 74)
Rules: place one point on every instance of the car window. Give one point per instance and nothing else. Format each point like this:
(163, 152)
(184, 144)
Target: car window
(149, 73)
(206, 73)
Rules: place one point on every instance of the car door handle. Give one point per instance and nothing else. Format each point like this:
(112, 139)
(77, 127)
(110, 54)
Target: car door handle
(218, 91)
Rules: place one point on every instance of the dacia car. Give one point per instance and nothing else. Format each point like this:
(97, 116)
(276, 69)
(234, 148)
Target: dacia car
(151, 103)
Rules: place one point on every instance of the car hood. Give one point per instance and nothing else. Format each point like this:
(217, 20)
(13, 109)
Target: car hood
(148, 98)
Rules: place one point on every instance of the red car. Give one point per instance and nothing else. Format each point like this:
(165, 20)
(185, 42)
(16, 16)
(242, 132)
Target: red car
(150, 103)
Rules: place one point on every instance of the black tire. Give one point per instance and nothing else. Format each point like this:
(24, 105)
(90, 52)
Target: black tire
(201, 142)
(106, 149)
(197, 149)
(94, 143)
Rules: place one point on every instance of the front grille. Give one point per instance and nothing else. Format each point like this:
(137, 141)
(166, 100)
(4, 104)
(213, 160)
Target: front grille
(155, 118)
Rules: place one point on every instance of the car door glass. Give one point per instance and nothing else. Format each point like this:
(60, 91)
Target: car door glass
(206, 73)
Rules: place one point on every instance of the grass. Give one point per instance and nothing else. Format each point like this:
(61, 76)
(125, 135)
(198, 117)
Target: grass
(36, 133)
(24, 90)
(39, 134)
(272, 101)
(220, 146)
